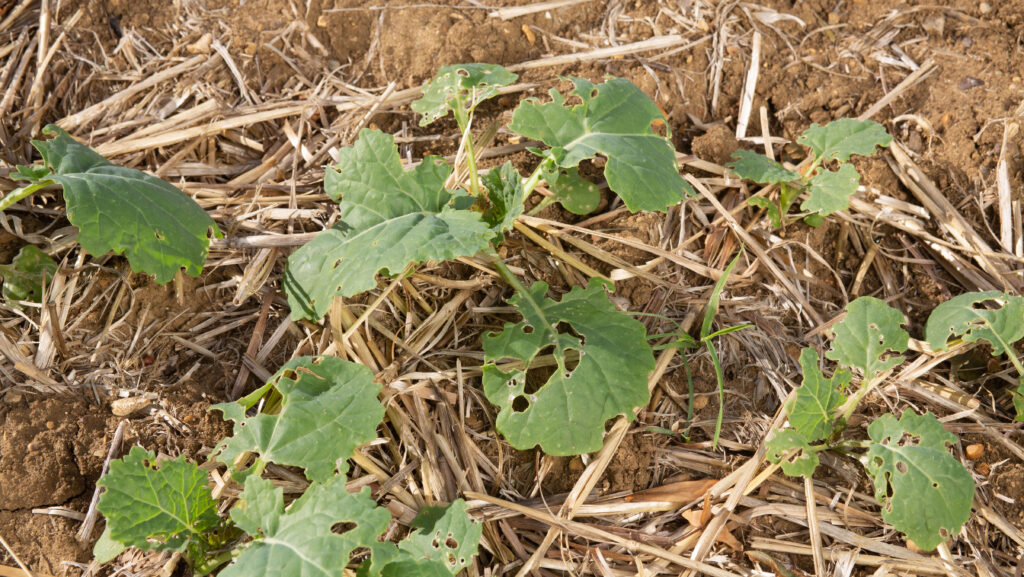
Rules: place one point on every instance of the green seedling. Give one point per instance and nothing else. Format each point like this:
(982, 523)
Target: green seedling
(924, 491)
(156, 226)
(827, 190)
(25, 276)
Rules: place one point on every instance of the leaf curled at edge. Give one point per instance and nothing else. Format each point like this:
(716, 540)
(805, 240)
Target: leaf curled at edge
(924, 491)
(156, 226)
(164, 507)
(614, 119)
(829, 192)
(811, 411)
(23, 278)
(474, 83)
(790, 449)
(967, 317)
(841, 138)
(329, 407)
(567, 414)
(389, 218)
(755, 167)
(870, 330)
(505, 196)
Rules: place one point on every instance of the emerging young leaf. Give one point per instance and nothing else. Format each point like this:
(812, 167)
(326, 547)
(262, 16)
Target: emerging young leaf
(156, 226)
(756, 167)
(389, 218)
(811, 412)
(164, 507)
(329, 407)
(613, 120)
(829, 192)
(841, 138)
(23, 278)
(924, 491)
(792, 450)
(871, 329)
(446, 535)
(299, 540)
(567, 412)
(992, 316)
(468, 84)
(774, 214)
(505, 196)
(575, 193)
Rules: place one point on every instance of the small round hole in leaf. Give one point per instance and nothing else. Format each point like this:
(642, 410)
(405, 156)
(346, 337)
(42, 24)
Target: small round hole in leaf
(520, 404)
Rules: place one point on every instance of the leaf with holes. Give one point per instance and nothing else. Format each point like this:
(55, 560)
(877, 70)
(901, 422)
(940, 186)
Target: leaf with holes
(460, 85)
(565, 411)
(299, 540)
(811, 411)
(994, 317)
(160, 506)
(839, 139)
(575, 193)
(793, 452)
(328, 408)
(755, 167)
(924, 491)
(24, 277)
(829, 192)
(613, 120)
(505, 196)
(389, 218)
(156, 226)
(444, 534)
(870, 330)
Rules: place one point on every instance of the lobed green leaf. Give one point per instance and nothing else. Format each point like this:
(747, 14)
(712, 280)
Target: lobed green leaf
(924, 491)
(841, 138)
(445, 535)
(869, 332)
(505, 196)
(470, 83)
(829, 192)
(161, 506)
(790, 449)
(992, 316)
(156, 226)
(614, 120)
(566, 414)
(811, 411)
(755, 167)
(389, 219)
(329, 407)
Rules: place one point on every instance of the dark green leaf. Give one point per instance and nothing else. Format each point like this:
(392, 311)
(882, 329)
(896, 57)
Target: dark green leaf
(614, 120)
(993, 316)
(156, 226)
(389, 219)
(750, 165)
(841, 138)
(566, 414)
(811, 412)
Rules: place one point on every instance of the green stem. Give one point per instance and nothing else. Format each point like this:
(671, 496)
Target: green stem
(865, 388)
(21, 193)
(463, 117)
(507, 274)
(531, 183)
(721, 390)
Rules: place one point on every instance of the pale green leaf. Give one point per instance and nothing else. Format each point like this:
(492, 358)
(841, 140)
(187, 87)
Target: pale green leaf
(841, 138)
(470, 83)
(299, 541)
(993, 316)
(575, 193)
(389, 218)
(446, 535)
(613, 120)
(165, 506)
(505, 197)
(23, 278)
(106, 549)
(756, 167)
(156, 226)
(829, 192)
(773, 209)
(329, 407)
(924, 491)
(566, 414)
(864, 338)
(811, 411)
(790, 449)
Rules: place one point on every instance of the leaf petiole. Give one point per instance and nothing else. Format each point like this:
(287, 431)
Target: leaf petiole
(21, 193)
